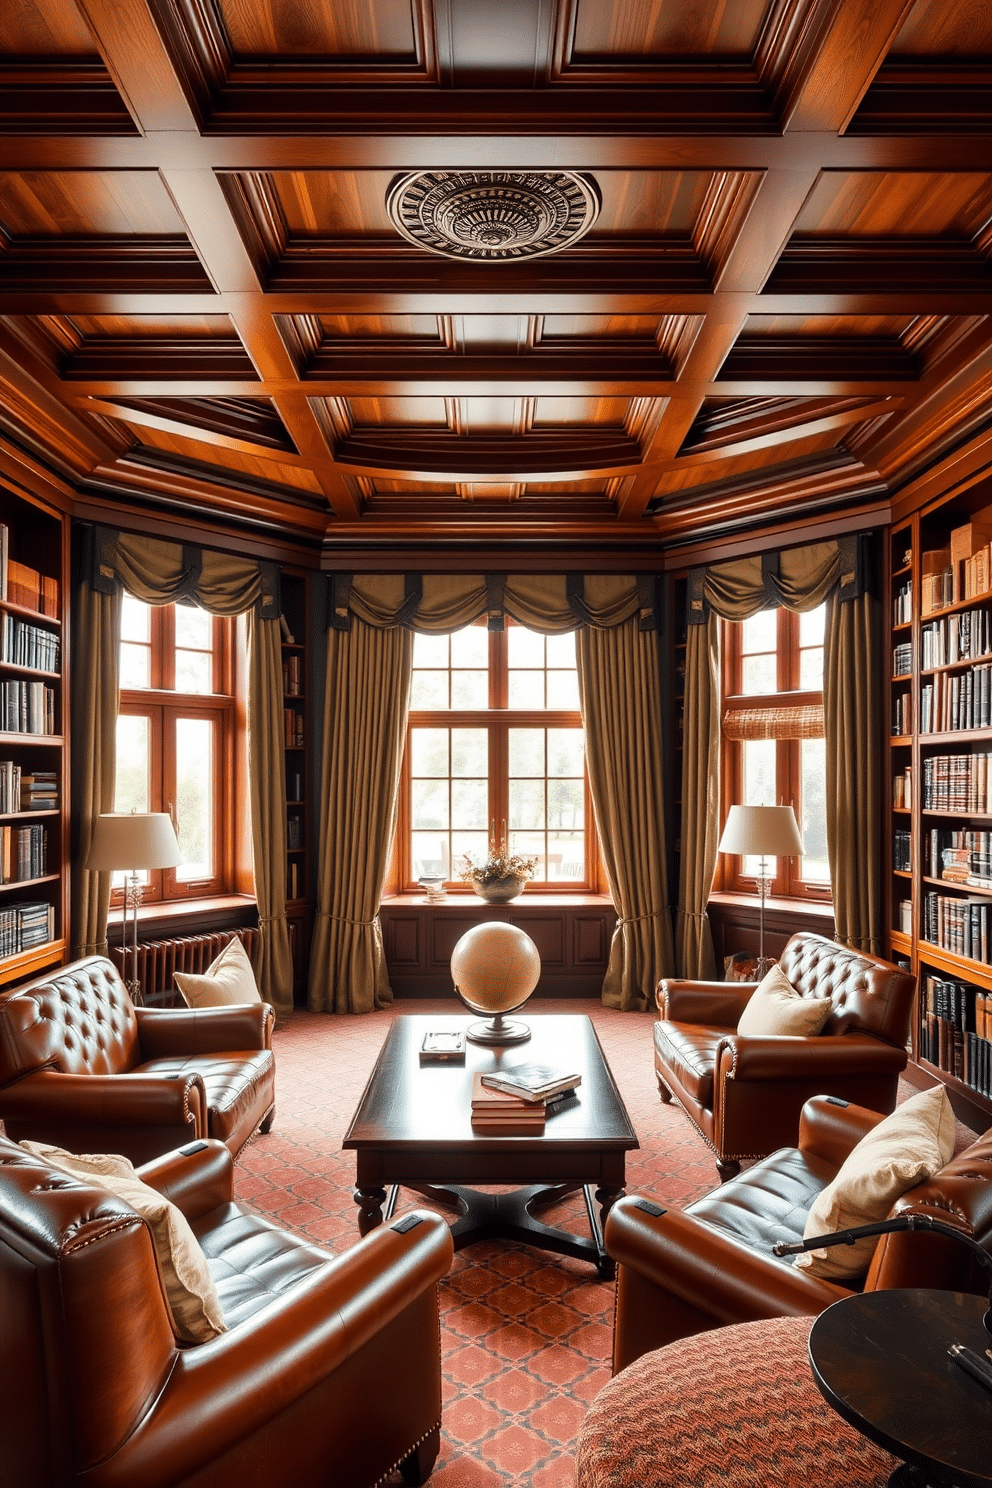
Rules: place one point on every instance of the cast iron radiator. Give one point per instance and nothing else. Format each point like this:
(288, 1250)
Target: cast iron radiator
(158, 959)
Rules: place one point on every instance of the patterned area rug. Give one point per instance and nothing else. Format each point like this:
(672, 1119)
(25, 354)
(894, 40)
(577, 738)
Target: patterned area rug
(525, 1335)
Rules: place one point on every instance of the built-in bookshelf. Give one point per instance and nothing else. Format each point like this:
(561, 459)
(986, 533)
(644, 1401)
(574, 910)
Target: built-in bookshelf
(939, 863)
(296, 727)
(33, 737)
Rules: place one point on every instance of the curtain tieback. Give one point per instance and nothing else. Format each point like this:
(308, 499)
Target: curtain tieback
(270, 919)
(635, 919)
(346, 920)
(693, 914)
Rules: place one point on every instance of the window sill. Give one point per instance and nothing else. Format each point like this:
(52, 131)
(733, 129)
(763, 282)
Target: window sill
(183, 916)
(473, 901)
(822, 907)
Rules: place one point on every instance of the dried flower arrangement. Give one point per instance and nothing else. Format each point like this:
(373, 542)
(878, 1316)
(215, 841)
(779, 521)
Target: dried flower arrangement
(499, 865)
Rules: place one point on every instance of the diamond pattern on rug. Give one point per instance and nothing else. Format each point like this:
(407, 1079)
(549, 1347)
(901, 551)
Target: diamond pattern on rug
(526, 1336)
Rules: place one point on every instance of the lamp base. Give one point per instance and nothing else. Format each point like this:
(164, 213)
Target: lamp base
(495, 1031)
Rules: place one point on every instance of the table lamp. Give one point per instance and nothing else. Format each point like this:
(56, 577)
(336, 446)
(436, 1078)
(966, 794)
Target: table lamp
(762, 832)
(133, 840)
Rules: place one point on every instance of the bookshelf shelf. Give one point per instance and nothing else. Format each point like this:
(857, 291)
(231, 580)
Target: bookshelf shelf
(930, 775)
(34, 583)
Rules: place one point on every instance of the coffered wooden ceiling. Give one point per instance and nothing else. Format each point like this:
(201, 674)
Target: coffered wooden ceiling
(783, 308)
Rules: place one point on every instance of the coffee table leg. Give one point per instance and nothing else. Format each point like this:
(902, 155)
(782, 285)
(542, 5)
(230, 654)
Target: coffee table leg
(606, 1198)
(370, 1202)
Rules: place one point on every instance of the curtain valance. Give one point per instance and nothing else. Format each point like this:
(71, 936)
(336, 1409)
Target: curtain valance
(436, 604)
(161, 573)
(794, 579)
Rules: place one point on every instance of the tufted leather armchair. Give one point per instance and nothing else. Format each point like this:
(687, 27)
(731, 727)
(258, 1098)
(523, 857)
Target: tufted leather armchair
(743, 1092)
(82, 1068)
(330, 1370)
(682, 1272)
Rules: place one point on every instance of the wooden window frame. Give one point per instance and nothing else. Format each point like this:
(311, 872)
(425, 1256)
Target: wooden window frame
(497, 720)
(788, 882)
(162, 705)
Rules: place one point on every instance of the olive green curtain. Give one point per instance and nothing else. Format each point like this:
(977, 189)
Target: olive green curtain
(365, 713)
(695, 956)
(437, 604)
(852, 724)
(96, 630)
(267, 792)
(621, 706)
(161, 573)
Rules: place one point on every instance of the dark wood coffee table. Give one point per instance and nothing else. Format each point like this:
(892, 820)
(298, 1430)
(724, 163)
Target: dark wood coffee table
(413, 1128)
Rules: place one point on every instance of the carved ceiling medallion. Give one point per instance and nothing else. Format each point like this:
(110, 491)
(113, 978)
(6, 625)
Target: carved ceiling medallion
(493, 215)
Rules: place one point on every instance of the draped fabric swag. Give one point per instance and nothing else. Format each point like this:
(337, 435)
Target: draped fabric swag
(796, 579)
(365, 726)
(161, 573)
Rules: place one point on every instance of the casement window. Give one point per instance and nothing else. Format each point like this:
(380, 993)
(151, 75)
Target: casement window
(773, 749)
(176, 740)
(494, 737)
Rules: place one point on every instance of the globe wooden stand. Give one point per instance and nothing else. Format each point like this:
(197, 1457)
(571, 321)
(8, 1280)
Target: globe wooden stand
(495, 962)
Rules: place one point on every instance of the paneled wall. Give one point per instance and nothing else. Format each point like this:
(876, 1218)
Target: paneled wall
(573, 939)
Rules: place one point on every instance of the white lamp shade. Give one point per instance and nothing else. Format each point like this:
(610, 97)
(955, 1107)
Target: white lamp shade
(762, 831)
(133, 840)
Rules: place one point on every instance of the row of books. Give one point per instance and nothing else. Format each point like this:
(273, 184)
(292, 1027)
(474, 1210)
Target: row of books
(902, 715)
(20, 792)
(902, 604)
(25, 586)
(294, 881)
(902, 851)
(964, 637)
(956, 1031)
(962, 700)
(961, 856)
(293, 724)
(27, 708)
(25, 926)
(902, 787)
(960, 571)
(291, 676)
(960, 926)
(957, 782)
(27, 645)
(294, 831)
(902, 659)
(23, 853)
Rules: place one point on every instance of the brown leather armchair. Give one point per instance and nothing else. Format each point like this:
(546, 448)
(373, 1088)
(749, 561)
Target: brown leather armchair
(82, 1068)
(682, 1272)
(329, 1372)
(744, 1092)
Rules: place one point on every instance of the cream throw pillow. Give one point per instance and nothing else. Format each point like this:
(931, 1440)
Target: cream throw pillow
(193, 1300)
(776, 1007)
(912, 1144)
(228, 979)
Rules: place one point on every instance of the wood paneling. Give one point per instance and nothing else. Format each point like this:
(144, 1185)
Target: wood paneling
(572, 937)
(667, 28)
(911, 204)
(308, 28)
(85, 203)
(44, 28)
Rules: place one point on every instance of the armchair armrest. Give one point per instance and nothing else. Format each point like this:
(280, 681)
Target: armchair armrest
(251, 1373)
(166, 1031)
(709, 1270)
(718, 1004)
(195, 1181)
(789, 1057)
(831, 1130)
(127, 1100)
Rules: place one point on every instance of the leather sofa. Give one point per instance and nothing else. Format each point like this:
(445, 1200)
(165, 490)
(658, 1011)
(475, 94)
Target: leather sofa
(82, 1068)
(329, 1372)
(680, 1272)
(744, 1092)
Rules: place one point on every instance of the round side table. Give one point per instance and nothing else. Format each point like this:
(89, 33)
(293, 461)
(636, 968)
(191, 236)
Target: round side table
(881, 1361)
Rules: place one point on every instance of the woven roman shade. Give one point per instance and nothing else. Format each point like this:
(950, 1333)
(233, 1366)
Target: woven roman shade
(774, 723)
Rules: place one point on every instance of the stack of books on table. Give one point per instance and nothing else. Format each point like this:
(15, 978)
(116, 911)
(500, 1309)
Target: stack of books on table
(515, 1102)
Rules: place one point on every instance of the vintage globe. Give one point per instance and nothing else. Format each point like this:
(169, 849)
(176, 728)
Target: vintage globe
(495, 967)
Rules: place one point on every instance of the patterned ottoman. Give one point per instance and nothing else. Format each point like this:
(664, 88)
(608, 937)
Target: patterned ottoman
(735, 1407)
